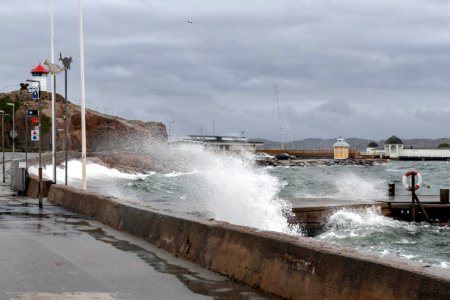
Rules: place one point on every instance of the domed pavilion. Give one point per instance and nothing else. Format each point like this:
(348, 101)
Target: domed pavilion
(393, 147)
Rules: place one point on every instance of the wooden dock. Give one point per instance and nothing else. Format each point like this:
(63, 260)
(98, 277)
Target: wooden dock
(313, 213)
(399, 208)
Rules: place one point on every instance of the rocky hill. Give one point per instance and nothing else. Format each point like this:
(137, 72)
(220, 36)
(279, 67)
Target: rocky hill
(104, 132)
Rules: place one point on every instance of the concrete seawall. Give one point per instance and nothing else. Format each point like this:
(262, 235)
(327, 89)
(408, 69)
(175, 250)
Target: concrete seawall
(287, 266)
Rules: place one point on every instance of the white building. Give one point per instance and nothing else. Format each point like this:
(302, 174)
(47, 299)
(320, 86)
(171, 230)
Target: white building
(373, 149)
(394, 148)
(39, 73)
(225, 143)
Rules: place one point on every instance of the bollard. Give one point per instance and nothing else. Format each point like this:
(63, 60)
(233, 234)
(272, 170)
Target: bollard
(391, 189)
(444, 195)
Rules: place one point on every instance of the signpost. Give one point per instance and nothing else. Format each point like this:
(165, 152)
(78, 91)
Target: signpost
(37, 113)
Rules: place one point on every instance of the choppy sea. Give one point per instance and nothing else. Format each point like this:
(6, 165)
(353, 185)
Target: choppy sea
(193, 181)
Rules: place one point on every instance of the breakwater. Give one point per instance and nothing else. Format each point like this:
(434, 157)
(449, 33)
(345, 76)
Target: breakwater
(288, 266)
(320, 162)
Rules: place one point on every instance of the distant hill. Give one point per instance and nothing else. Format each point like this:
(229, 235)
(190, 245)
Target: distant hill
(355, 143)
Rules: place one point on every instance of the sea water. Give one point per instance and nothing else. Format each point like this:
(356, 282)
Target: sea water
(226, 187)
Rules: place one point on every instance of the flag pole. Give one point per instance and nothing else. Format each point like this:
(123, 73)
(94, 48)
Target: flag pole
(52, 58)
(82, 100)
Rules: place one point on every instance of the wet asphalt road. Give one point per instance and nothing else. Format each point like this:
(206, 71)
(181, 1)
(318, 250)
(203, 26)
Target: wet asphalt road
(52, 253)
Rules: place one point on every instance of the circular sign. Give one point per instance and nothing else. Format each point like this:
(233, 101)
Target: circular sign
(13, 134)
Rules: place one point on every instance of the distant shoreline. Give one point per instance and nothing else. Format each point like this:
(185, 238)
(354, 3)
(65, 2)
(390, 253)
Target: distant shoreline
(321, 162)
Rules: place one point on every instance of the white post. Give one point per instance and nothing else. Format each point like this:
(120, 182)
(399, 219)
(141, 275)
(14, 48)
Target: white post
(52, 58)
(82, 100)
(14, 128)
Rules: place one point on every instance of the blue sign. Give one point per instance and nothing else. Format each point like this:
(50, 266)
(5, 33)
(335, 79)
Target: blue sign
(35, 95)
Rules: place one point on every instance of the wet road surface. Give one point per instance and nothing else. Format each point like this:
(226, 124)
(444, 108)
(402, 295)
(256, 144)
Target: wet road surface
(53, 253)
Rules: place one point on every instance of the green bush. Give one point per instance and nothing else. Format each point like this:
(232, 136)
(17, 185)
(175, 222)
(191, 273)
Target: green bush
(8, 109)
(45, 124)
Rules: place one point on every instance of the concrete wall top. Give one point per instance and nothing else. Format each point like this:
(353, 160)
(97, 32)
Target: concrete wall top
(292, 267)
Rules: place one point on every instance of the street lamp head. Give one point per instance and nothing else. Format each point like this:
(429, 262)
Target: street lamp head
(2, 112)
(11, 104)
(35, 95)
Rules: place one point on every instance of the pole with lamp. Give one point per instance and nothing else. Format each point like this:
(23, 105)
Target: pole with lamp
(13, 133)
(37, 96)
(3, 143)
(66, 63)
(53, 69)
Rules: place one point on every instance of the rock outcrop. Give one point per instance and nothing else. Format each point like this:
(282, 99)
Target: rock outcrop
(103, 132)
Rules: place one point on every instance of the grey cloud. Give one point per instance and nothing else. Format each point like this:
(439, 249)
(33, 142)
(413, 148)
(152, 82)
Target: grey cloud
(336, 107)
(143, 60)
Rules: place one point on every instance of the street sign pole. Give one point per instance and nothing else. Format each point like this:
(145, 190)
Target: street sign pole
(26, 129)
(40, 162)
(3, 146)
(26, 144)
(14, 133)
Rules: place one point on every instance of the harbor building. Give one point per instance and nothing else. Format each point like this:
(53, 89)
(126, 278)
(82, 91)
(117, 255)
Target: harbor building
(394, 149)
(372, 148)
(225, 143)
(341, 149)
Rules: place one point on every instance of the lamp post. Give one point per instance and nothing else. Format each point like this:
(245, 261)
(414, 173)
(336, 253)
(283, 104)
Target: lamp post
(53, 69)
(3, 144)
(66, 63)
(14, 128)
(40, 135)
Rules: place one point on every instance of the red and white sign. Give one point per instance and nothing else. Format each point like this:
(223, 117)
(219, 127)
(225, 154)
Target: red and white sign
(35, 135)
(35, 120)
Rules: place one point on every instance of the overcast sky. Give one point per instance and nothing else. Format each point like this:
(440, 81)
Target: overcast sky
(351, 68)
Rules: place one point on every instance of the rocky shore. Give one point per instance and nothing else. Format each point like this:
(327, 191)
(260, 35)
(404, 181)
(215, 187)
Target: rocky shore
(321, 162)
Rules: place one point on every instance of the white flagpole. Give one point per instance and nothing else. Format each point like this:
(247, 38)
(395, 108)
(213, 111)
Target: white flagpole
(82, 100)
(52, 58)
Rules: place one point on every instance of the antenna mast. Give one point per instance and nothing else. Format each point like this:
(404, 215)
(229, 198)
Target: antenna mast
(280, 122)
